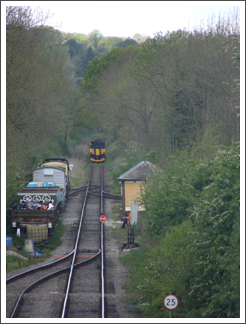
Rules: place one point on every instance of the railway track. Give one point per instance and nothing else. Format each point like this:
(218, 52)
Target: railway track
(72, 286)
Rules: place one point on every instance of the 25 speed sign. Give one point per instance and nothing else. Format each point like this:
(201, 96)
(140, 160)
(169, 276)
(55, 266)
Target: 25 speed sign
(171, 302)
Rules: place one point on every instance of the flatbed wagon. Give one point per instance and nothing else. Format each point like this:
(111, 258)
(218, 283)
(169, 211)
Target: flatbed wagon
(38, 210)
(21, 218)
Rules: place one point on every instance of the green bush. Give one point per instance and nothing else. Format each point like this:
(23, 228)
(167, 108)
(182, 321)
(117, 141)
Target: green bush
(193, 224)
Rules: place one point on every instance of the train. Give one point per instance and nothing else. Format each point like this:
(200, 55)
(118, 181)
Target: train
(97, 150)
(61, 163)
(43, 199)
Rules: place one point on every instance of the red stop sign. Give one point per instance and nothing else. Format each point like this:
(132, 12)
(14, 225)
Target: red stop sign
(103, 217)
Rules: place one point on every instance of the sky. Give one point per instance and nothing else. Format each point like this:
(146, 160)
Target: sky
(126, 18)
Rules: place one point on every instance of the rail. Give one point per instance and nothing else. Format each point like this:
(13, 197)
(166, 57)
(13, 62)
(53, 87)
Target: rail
(73, 254)
(44, 278)
(76, 247)
(38, 268)
(102, 249)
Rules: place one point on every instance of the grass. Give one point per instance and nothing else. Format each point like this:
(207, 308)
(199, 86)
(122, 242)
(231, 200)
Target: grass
(74, 182)
(18, 240)
(116, 212)
(13, 262)
(55, 238)
(79, 172)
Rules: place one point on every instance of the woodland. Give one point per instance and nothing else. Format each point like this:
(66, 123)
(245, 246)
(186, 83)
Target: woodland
(173, 100)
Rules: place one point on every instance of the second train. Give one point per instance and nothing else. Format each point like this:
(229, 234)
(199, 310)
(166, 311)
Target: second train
(97, 150)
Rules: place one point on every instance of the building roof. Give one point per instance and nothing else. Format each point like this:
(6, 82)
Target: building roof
(139, 172)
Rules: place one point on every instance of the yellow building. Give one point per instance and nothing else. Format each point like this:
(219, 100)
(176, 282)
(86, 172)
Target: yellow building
(132, 182)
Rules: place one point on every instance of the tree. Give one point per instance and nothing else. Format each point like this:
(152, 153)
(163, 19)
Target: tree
(216, 239)
(79, 56)
(78, 37)
(192, 75)
(140, 38)
(127, 42)
(94, 37)
(168, 93)
(198, 258)
(107, 43)
(40, 89)
(137, 37)
(89, 56)
(128, 106)
(95, 68)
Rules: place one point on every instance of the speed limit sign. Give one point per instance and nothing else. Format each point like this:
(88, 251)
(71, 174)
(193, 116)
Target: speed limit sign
(171, 302)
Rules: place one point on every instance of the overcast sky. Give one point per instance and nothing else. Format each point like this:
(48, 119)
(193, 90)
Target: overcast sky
(126, 18)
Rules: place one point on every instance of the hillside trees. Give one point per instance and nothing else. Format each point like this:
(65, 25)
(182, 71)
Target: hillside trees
(129, 107)
(83, 48)
(107, 43)
(193, 76)
(80, 56)
(87, 113)
(78, 37)
(82, 53)
(40, 90)
(165, 95)
(94, 37)
(127, 42)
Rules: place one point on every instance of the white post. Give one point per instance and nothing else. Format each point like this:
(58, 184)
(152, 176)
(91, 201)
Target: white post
(134, 213)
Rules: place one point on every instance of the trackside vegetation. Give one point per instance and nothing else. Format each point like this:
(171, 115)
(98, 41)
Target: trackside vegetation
(192, 224)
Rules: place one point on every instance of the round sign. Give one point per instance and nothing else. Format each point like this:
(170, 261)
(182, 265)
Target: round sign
(171, 302)
(102, 218)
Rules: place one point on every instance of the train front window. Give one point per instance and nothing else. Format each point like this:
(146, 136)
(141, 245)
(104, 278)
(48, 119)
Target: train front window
(92, 145)
(97, 145)
(103, 145)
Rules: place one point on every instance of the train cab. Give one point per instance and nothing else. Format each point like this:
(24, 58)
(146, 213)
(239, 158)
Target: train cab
(97, 150)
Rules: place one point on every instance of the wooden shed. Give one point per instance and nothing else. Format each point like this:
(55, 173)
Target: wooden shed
(132, 181)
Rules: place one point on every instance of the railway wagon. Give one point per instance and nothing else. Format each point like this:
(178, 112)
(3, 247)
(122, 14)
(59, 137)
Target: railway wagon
(22, 217)
(62, 163)
(38, 209)
(42, 200)
(53, 174)
(97, 150)
(41, 192)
